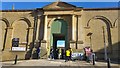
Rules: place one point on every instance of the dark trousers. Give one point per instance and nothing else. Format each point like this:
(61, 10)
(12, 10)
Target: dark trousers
(67, 58)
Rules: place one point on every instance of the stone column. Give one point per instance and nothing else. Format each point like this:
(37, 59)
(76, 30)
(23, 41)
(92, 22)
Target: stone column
(38, 26)
(73, 27)
(33, 48)
(80, 35)
(1, 40)
(29, 44)
(30, 37)
(72, 42)
(37, 32)
(44, 47)
(45, 28)
(9, 38)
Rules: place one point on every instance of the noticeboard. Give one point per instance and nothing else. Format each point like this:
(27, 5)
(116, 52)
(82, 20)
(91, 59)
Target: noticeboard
(18, 48)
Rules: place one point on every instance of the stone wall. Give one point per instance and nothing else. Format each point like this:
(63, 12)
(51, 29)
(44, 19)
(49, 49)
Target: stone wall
(16, 25)
(93, 22)
(87, 21)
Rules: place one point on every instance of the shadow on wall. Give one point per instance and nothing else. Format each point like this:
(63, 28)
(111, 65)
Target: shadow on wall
(112, 54)
(29, 53)
(41, 28)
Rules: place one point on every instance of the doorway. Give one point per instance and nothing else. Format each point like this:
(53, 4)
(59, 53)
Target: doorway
(59, 31)
(59, 46)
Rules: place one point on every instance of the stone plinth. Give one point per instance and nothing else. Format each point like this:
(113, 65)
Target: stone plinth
(43, 53)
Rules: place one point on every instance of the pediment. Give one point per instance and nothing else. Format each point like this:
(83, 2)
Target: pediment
(59, 5)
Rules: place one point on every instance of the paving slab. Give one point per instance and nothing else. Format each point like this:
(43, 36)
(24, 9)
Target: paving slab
(56, 63)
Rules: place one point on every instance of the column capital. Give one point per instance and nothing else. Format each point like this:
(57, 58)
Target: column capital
(73, 15)
(30, 28)
(37, 40)
(72, 41)
(45, 14)
(43, 41)
(9, 28)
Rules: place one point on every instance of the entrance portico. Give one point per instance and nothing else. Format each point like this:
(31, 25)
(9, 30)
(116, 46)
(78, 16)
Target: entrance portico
(59, 21)
(59, 25)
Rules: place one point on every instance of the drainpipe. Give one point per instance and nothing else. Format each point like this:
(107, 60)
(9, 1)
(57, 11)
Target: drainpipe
(105, 49)
(77, 33)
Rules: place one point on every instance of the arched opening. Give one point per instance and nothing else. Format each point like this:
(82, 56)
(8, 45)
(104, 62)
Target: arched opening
(21, 31)
(5, 25)
(58, 36)
(101, 37)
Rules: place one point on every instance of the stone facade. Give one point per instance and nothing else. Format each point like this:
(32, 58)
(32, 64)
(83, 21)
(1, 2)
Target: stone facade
(86, 27)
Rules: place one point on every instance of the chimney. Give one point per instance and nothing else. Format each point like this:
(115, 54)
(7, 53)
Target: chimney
(13, 7)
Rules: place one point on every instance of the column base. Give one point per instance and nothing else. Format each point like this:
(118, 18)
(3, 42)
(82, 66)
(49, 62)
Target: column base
(43, 53)
(73, 44)
(37, 43)
(80, 44)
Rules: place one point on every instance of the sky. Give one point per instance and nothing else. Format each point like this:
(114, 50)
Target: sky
(33, 5)
(60, 0)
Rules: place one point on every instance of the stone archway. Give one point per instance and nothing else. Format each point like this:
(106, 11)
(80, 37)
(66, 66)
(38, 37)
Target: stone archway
(58, 32)
(24, 19)
(21, 25)
(107, 25)
(106, 20)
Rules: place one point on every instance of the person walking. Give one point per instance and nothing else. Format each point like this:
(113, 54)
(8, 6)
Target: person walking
(71, 51)
(67, 55)
(91, 56)
(88, 53)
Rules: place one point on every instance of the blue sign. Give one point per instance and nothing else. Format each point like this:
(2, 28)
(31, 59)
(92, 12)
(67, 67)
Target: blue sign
(60, 43)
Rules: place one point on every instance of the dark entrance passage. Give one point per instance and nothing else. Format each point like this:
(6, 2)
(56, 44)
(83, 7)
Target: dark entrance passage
(58, 49)
(59, 32)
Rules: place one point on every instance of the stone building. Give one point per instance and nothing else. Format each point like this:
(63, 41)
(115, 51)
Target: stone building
(42, 27)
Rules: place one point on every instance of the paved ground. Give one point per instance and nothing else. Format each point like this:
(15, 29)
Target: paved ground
(45, 62)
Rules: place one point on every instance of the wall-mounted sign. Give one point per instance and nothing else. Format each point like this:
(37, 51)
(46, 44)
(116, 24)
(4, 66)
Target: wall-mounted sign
(60, 43)
(18, 48)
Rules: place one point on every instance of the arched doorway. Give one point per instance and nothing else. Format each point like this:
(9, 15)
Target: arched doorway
(58, 36)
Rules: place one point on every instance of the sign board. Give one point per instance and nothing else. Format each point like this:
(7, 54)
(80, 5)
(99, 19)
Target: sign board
(77, 54)
(60, 43)
(18, 48)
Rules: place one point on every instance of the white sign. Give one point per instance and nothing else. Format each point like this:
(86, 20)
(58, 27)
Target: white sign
(18, 48)
(77, 54)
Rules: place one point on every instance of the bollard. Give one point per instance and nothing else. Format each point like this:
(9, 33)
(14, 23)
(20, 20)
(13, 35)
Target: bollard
(16, 59)
(93, 59)
(108, 62)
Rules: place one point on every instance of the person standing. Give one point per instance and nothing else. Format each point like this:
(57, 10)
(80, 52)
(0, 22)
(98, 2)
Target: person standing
(38, 52)
(52, 54)
(60, 53)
